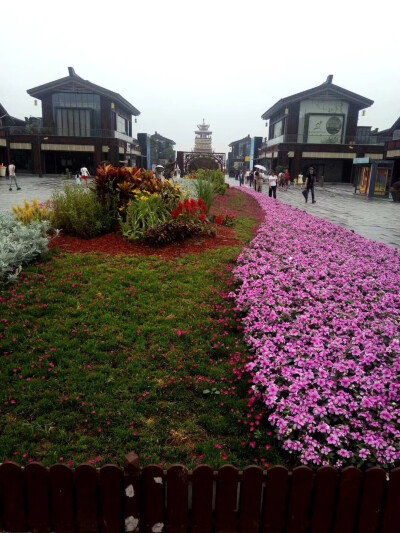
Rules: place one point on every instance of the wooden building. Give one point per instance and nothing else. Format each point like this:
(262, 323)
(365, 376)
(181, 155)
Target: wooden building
(82, 124)
(391, 136)
(318, 128)
(243, 152)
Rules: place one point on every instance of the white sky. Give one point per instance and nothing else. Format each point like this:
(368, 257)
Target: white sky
(227, 61)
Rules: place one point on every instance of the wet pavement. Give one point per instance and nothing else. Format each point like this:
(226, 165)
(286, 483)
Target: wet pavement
(31, 187)
(377, 219)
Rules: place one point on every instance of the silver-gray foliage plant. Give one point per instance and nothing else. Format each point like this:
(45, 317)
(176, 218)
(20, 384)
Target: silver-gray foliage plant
(20, 245)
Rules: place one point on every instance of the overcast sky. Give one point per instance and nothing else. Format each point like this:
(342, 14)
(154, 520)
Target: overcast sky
(226, 61)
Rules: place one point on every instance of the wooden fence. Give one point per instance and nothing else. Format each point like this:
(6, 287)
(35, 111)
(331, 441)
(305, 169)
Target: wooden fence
(113, 499)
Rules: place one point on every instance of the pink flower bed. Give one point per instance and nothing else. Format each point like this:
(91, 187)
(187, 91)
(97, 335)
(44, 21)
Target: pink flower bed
(322, 314)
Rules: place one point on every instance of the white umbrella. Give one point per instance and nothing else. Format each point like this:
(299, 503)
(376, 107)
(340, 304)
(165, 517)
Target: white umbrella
(260, 167)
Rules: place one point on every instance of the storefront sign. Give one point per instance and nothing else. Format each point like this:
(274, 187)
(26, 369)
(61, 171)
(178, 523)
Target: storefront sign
(360, 160)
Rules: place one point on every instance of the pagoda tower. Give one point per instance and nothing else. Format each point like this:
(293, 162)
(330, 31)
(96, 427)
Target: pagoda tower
(202, 141)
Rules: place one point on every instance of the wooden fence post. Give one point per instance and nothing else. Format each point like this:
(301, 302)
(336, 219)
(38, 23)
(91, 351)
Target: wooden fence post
(37, 479)
(86, 498)
(202, 499)
(111, 498)
(62, 498)
(132, 493)
(275, 499)
(12, 494)
(177, 498)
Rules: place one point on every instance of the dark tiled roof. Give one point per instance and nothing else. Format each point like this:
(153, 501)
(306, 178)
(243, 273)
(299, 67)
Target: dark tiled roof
(41, 90)
(158, 136)
(248, 138)
(325, 88)
(8, 120)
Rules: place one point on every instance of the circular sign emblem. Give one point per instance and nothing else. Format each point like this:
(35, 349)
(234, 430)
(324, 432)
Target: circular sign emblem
(333, 125)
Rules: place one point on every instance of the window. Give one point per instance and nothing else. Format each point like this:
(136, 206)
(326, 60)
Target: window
(122, 125)
(76, 114)
(73, 122)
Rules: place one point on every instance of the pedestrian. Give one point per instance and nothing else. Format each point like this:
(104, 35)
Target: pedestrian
(78, 178)
(310, 184)
(246, 177)
(12, 176)
(259, 180)
(281, 181)
(85, 175)
(241, 178)
(300, 180)
(251, 179)
(272, 182)
(287, 179)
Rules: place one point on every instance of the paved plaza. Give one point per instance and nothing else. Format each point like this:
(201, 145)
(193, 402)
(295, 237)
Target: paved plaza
(31, 187)
(374, 218)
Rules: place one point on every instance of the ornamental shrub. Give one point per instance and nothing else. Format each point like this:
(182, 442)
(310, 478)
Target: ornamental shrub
(176, 230)
(81, 213)
(206, 191)
(187, 186)
(216, 177)
(121, 184)
(142, 214)
(20, 244)
(36, 211)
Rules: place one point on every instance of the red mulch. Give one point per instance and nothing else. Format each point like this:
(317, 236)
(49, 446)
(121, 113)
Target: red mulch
(115, 244)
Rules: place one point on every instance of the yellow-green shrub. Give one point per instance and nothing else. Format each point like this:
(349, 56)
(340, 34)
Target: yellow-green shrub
(34, 212)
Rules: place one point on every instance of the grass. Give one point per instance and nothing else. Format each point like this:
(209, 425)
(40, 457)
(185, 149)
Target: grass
(102, 355)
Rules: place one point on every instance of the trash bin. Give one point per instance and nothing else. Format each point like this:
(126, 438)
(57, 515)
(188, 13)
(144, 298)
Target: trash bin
(2, 171)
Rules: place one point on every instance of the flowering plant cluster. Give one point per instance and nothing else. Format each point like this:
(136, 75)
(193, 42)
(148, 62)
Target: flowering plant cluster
(322, 314)
(224, 220)
(36, 211)
(191, 210)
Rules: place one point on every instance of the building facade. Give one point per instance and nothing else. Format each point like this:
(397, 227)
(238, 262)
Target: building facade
(162, 150)
(243, 152)
(391, 136)
(318, 128)
(82, 124)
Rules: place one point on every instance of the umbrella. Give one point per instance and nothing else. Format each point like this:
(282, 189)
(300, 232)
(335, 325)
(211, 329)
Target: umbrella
(260, 167)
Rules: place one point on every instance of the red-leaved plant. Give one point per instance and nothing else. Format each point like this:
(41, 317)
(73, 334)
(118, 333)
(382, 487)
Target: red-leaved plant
(191, 210)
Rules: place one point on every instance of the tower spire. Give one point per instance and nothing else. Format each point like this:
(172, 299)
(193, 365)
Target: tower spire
(202, 141)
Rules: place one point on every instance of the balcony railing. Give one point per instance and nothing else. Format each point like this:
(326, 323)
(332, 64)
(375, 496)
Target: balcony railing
(55, 132)
(302, 139)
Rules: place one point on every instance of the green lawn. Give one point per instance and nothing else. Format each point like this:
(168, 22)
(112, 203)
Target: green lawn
(102, 355)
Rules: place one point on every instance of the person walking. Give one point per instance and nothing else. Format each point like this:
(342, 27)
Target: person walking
(85, 175)
(287, 179)
(281, 180)
(12, 176)
(272, 182)
(300, 180)
(241, 178)
(310, 184)
(259, 180)
(251, 179)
